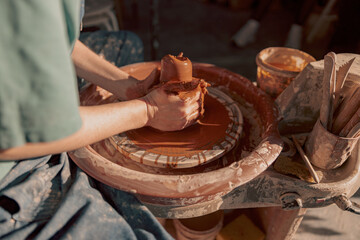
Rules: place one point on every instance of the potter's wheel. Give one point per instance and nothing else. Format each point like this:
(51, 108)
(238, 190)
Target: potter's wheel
(258, 147)
(215, 135)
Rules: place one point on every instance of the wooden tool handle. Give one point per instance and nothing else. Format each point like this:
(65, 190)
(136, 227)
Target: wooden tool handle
(346, 111)
(341, 75)
(332, 89)
(327, 90)
(306, 160)
(355, 131)
(355, 119)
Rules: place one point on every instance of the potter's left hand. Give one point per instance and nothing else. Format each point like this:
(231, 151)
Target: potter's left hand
(140, 88)
(102, 73)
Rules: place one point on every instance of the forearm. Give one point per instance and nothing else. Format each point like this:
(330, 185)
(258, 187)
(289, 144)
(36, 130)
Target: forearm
(99, 122)
(99, 71)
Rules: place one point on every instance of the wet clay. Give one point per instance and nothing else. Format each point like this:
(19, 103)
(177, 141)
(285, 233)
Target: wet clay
(210, 131)
(176, 77)
(175, 68)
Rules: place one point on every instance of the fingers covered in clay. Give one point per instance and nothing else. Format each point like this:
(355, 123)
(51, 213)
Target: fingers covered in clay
(150, 81)
(142, 87)
(169, 112)
(193, 117)
(193, 110)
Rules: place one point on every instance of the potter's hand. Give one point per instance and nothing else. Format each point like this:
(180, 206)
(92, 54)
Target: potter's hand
(168, 112)
(106, 75)
(140, 88)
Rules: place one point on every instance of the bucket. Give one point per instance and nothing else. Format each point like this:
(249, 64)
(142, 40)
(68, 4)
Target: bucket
(199, 228)
(277, 67)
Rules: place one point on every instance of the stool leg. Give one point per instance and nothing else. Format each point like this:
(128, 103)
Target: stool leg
(107, 25)
(113, 20)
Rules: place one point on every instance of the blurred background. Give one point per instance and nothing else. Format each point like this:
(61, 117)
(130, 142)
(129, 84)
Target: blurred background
(204, 30)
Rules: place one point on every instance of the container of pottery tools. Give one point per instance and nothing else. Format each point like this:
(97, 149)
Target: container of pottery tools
(337, 130)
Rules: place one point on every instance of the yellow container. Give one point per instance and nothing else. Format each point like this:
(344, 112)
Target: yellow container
(278, 66)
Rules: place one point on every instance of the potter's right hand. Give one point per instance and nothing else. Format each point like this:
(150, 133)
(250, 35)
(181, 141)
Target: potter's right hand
(168, 112)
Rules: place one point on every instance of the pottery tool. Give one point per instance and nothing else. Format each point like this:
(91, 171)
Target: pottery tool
(333, 83)
(341, 76)
(327, 89)
(346, 110)
(306, 160)
(355, 119)
(354, 132)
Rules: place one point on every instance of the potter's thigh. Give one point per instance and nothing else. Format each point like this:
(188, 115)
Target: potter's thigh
(50, 197)
(141, 220)
(31, 193)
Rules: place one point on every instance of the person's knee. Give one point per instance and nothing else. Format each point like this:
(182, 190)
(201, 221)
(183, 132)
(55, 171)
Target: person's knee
(135, 39)
(134, 46)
